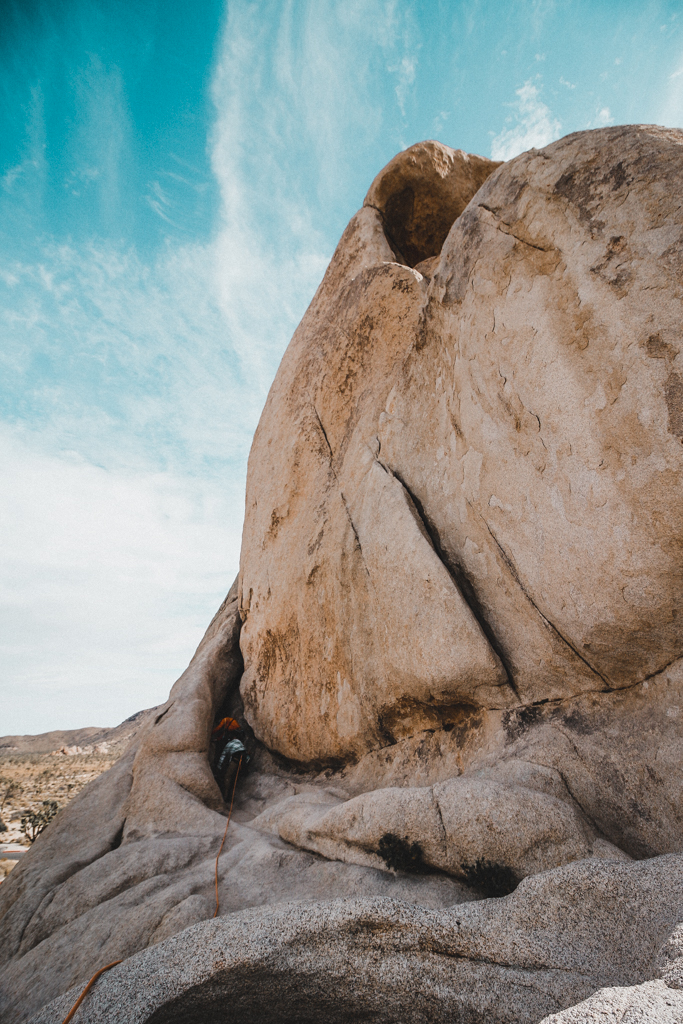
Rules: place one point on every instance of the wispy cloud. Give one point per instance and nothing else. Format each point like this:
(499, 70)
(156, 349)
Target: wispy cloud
(132, 359)
(532, 125)
(100, 139)
(305, 74)
(122, 502)
(105, 587)
(405, 73)
(401, 35)
(671, 109)
(142, 384)
(138, 382)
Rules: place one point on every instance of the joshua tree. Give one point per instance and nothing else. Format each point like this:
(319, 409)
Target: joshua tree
(34, 822)
(9, 789)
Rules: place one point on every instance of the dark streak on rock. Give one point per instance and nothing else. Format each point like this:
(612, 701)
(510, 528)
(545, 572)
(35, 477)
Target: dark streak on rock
(673, 392)
(515, 575)
(159, 717)
(460, 580)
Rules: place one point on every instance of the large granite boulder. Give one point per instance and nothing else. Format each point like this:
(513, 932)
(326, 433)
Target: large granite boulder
(464, 491)
(456, 635)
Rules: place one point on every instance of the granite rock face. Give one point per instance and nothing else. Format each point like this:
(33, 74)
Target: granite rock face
(420, 194)
(464, 491)
(456, 635)
(132, 860)
(349, 960)
(653, 1002)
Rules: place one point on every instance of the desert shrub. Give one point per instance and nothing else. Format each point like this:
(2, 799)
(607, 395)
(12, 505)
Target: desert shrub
(9, 790)
(35, 822)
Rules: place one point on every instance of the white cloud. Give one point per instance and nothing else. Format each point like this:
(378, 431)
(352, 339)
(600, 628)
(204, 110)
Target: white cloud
(109, 582)
(304, 74)
(603, 117)
(143, 381)
(142, 367)
(671, 110)
(116, 553)
(101, 136)
(10, 176)
(532, 126)
(121, 507)
(405, 72)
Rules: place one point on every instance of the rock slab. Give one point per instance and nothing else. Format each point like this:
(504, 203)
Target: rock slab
(350, 960)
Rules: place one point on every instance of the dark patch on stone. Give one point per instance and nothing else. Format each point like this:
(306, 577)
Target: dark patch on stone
(673, 392)
(575, 186)
(576, 721)
(428, 716)
(400, 855)
(401, 285)
(658, 349)
(492, 880)
(612, 268)
(398, 214)
(584, 188)
(118, 838)
(616, 175)
(520, 720)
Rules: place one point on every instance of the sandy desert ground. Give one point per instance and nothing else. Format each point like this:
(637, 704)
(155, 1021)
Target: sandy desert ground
(54, 766)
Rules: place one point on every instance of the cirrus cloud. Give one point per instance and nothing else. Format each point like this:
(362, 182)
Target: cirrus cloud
(532, 125)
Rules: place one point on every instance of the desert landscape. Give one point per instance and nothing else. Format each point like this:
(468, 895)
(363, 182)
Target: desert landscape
(451, 664)
(55, 766)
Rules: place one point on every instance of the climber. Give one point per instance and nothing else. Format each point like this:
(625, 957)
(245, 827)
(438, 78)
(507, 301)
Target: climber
(230, 756)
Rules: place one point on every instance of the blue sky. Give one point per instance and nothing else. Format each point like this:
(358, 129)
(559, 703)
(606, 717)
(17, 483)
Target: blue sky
(173, 180)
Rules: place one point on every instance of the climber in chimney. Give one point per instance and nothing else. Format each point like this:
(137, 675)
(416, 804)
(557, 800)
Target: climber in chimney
(230, 755)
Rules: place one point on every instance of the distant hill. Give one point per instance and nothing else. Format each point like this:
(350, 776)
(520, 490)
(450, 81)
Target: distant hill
(46, 742)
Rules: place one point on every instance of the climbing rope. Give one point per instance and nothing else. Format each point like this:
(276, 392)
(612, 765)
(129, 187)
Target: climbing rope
(96, 975)
(232, 798)
(87, 989)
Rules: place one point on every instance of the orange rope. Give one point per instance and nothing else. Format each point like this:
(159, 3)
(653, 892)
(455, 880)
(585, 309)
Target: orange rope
(95, 976)
(87, 989)
(232, 799)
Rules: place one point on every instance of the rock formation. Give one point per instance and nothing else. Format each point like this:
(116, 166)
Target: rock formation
(456, 635)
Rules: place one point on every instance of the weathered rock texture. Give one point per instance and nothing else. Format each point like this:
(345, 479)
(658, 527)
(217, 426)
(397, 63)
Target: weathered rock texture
(131, 860)
(457, 636)
(465, 493)
(351, 960)
(420, 194)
